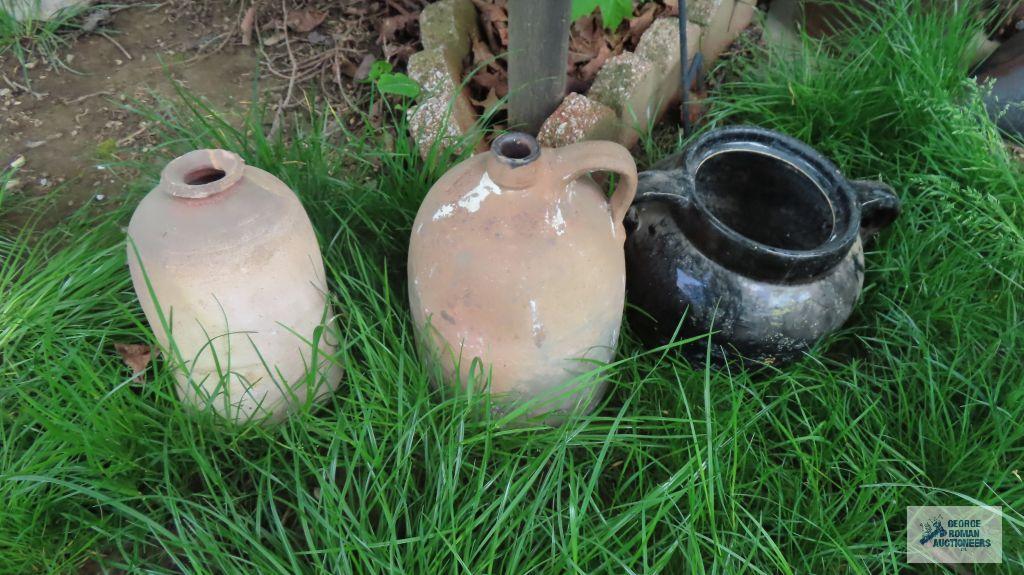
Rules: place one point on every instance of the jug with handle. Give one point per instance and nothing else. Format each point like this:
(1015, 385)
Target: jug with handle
(516, 265)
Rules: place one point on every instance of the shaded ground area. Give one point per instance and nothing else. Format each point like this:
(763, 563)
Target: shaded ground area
(75, 119)
(68, 119)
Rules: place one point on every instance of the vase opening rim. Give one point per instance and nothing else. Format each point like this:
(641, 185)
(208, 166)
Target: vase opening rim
(515, 149)
(202, 173)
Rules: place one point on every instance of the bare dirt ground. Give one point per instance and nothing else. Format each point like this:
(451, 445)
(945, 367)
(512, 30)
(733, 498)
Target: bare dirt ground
(74, 120)
(69, 120)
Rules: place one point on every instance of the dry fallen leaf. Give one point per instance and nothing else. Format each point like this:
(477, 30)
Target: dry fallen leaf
(696, 108)
(402, 7)
(576, 58)
(587, 30)
(392, 25)
(492, 81)
(317, 39)
(491, 77)
(342, 66)
(490, 101)
(137, 357)
(588, 50)
(588, 71)
(642, 21)
(482, 54)
(399, 52)
(494, 22)
(274, 38)
(305, 20)
(363, 71)
(353, 10)
(246, 26)
(490, 12)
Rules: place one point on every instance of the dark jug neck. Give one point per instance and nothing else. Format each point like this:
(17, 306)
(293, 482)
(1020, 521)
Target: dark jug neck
(762, 204)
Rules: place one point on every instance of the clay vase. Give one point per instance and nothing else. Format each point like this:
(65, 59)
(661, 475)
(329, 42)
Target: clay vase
(516, 267)
(229, 273)
(753, 237)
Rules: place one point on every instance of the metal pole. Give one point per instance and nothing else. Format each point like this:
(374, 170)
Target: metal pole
(688, 72)
(537, 60)
(684, 71)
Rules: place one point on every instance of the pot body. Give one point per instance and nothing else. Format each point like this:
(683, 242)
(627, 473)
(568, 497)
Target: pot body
(516, 267)
(751, 237)
(240, 293)
(1005, 68)
(673, 281)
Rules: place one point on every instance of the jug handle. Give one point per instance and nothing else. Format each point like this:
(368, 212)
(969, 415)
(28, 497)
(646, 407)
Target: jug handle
(879, 206)
(579, 159)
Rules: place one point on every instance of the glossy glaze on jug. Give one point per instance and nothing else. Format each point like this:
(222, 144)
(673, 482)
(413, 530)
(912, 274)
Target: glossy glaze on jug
(753, 237)
(516, 259)
(233, 261)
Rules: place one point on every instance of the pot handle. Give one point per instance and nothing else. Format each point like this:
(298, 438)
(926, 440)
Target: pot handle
(576, 160)
(879, 206)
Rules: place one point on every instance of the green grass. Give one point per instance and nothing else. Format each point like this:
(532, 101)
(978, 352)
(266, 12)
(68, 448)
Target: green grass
(807, 470)
(27, 40)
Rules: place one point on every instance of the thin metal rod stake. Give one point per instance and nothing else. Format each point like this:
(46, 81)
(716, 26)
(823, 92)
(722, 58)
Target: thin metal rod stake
(688, 72)
(684, 88)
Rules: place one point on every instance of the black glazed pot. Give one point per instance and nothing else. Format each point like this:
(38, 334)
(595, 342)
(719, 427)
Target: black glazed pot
(751, 235)
(1006, 68)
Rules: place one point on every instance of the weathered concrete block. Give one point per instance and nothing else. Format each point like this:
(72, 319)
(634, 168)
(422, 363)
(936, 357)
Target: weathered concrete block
(445, 120)
(450, 24)
(660, 46)
(780, 25)
(628, 84)
(742, 16)
(722, 34)
(717, 36)
(578, 119)
(24, 10)
(703, 12)
(436, 71)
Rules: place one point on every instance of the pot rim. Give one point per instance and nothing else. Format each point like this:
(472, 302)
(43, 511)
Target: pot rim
(757, 258)
(202, 173)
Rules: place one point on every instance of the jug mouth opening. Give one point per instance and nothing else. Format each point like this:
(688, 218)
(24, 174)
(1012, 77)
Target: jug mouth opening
(515, 149)
(204, 176)
(202, 173)
(768, 205)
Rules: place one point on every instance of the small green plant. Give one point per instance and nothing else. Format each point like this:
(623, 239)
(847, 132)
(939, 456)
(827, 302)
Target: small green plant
(389, 82)
(28, 38)
(613, 12)
(107, 149)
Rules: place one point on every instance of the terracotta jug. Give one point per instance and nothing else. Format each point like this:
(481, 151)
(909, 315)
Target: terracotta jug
(231, 257)
(516, 260)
